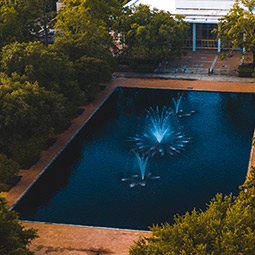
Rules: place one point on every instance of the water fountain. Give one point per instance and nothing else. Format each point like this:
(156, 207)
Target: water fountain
(177, 110)
(177, 103)
(139, 180)
(142, 163)
(162, 133)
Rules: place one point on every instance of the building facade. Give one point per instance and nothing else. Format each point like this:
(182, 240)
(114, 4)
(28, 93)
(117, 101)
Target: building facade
(203, 16)
(59, 5)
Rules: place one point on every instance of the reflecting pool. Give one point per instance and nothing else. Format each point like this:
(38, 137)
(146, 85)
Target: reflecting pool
(146, 155)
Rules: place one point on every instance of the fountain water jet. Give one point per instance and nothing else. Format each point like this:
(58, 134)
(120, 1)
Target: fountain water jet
(139, 180)
(142, 163)
(162, 133)
(159, 122)
(177, 103)
(179, 112)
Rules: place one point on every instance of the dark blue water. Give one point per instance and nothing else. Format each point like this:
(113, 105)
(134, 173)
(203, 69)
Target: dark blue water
(83, 186)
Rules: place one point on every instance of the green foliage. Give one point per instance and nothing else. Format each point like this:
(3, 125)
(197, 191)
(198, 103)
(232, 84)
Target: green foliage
(46, 14)
(250, 181)
(226, 227)
(26, 110)
(123, 2)
(84, 26)
(152, 34)
(39, 85)
(8, 170)
(51, 69)
(21, 20)
(13, 238)
(27, 152)
(91, 71)
(142, 65)
(236, 29)
(104, 12)
(246, 70)
(17, 21)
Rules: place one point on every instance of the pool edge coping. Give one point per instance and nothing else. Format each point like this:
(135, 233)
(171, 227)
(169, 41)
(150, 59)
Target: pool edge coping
(85, 226)
(252, 156)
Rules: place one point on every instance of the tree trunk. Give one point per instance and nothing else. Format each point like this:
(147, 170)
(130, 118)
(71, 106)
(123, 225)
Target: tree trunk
(46, 32)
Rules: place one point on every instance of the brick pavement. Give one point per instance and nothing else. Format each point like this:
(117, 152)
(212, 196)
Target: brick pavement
(71, 240)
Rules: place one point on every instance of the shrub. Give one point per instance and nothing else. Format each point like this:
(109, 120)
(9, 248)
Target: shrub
(27, 152)
(8, 170)
(143, 65)
(13, 237)
(226, 227)
(26, 111)
(246, 70)
(91, 71)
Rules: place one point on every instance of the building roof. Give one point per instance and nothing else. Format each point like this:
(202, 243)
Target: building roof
(195, 11)
(201, 16)
(166, 5)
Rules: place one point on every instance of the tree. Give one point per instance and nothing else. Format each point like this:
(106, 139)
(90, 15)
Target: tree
(91, 71)
(22, 21)
(104, 11)
(226, 227)
(47, 13)
(26, 111)
(84, 27)
(17, 21)
(26, 151)
(152, 34)
(51, 69)
(13, 237)
(237, 28)
(123, 2)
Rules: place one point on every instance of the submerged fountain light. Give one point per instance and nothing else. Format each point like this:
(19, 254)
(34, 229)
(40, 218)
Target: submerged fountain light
(162, 133)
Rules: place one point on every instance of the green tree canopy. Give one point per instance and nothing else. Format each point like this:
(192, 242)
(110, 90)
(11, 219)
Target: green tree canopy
(26, 111)
(51, 69)
(22, 20)
(84, 26)
(13, 237)
(226, 227)
(91, 71)
(152, 34)
(46, 13)
(237, 28)
(8, 170)
(17, 21)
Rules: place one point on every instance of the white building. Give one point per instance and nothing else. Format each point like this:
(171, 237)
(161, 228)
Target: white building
(202, 15)
(59, 5)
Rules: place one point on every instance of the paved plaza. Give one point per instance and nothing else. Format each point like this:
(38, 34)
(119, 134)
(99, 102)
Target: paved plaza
(201, 61)
(68, 239)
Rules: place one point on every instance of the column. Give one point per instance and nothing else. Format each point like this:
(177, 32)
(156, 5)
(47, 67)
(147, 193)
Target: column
(219, 45)
(194, 36)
